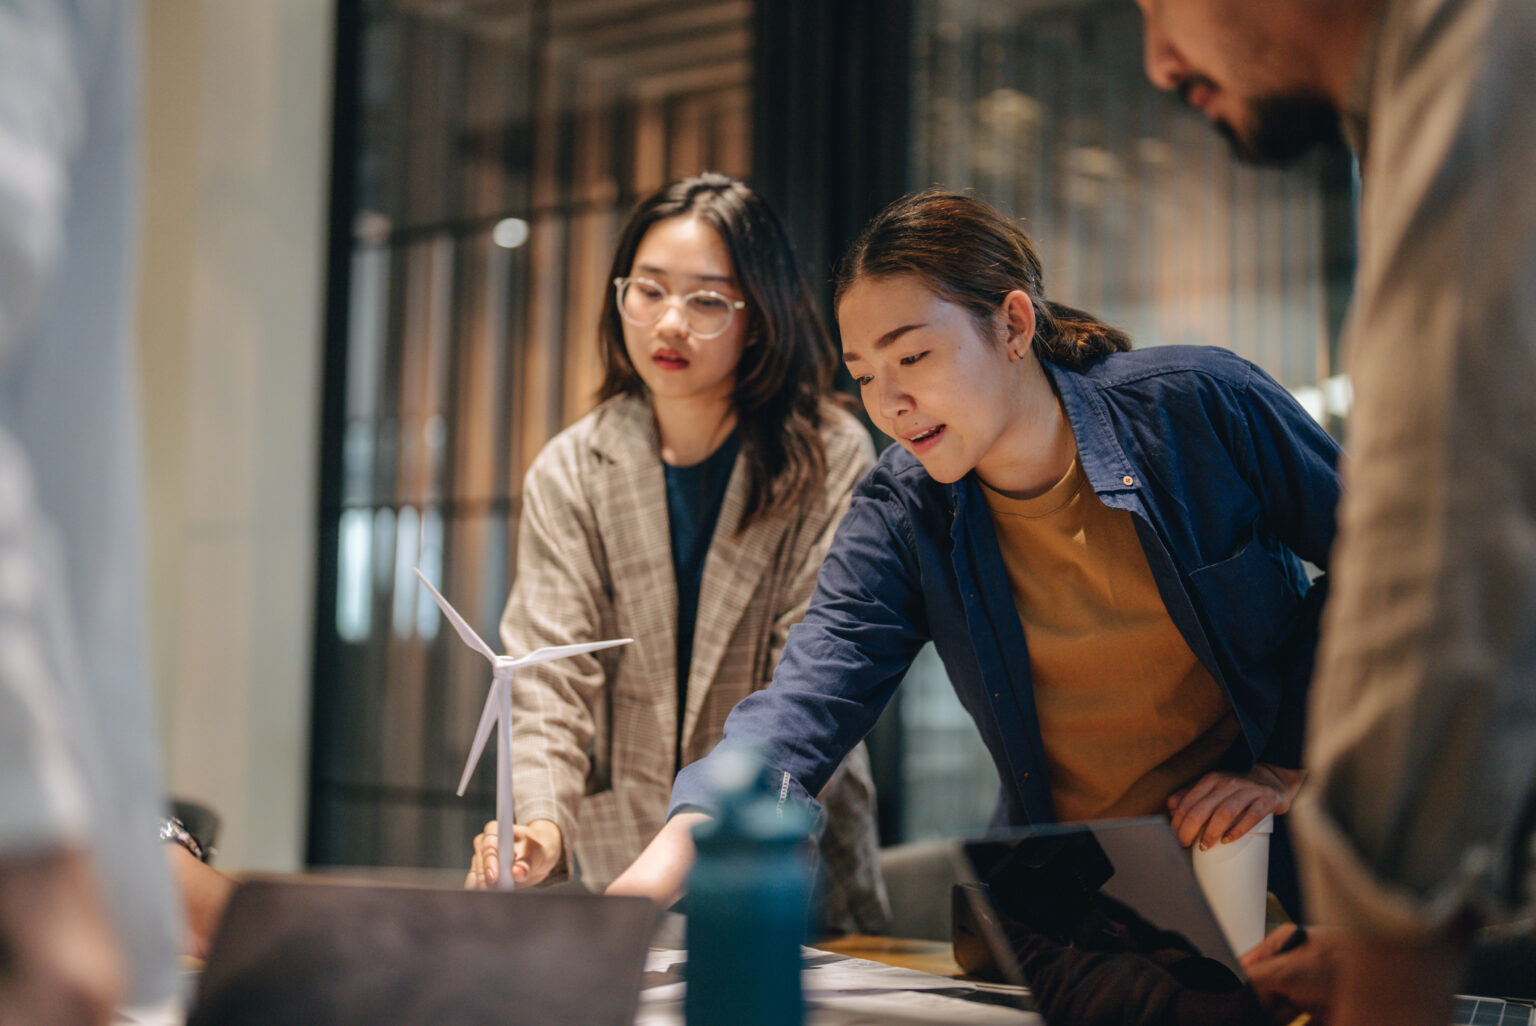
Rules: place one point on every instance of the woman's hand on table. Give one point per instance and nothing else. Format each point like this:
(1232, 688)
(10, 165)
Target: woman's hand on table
(537, 849)
(661, 870)
(1221, 807)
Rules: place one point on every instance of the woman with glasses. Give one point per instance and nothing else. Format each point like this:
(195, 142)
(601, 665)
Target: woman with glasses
(1104, 546)
(690, 511)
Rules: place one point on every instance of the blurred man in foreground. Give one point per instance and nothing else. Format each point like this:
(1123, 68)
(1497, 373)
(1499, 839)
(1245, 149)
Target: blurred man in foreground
(84, 888)
(1417, 820)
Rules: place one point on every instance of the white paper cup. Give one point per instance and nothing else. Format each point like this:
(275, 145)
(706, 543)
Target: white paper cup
(1235, 879)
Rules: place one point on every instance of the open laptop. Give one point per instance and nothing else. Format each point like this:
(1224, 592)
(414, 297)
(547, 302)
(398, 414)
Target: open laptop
(1097, 920)
(341, 954)
(1122, 893)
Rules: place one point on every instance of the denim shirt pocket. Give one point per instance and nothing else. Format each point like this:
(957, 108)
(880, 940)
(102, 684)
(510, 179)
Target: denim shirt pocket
(1249, 600)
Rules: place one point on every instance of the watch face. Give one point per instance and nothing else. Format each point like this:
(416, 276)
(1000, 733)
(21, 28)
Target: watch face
(175, 832)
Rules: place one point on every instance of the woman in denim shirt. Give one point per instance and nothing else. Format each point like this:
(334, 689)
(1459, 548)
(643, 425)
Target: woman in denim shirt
(1105, 547)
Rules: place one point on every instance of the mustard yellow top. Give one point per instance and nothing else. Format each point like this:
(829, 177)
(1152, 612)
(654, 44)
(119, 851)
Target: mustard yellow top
(1127, 713)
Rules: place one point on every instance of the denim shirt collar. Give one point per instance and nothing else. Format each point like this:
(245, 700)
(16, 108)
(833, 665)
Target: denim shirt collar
(1108, 469)
(1099, 451)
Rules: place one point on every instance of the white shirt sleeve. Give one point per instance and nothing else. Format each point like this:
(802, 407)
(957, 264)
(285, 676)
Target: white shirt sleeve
(40, 125)
(78, 758)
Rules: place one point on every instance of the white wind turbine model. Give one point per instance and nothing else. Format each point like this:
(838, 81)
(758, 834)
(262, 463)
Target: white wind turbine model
(498, 712)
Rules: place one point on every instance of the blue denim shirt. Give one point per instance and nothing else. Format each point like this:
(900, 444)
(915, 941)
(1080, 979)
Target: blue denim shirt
(1230, 485)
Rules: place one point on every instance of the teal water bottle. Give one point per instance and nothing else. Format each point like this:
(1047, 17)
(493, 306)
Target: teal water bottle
(747, 899)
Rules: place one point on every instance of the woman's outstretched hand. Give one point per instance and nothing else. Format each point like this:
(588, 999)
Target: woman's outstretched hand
(661, 870)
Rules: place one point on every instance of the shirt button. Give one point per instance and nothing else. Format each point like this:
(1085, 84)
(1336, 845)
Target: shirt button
(1127, 480)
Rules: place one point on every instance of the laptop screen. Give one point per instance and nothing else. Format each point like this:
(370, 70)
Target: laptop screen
(1104, 922)
(1065, 878)
(340, 954)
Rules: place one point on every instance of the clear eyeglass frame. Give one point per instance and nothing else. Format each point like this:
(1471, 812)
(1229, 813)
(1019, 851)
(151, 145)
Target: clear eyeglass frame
(691, 313)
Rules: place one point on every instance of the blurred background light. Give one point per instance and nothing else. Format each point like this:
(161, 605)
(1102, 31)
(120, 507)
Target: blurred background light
(510, 232)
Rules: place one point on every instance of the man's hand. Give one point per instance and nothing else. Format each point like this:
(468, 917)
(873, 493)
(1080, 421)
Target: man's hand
(536, 852)
(1221, 807)
(59, 959)
(1303, 979)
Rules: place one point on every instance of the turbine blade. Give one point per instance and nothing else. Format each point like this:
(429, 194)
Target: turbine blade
(482, 734)
(465, 630)
(548, 652)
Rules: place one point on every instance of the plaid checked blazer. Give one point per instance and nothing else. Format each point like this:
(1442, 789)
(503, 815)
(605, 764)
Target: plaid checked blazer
(594, 736)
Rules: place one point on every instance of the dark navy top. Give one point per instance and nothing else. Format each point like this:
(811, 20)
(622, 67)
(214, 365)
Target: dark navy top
(1230, 485)
(694, 497)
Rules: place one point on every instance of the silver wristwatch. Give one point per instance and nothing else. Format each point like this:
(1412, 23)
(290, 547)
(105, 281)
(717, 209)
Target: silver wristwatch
(174, 831)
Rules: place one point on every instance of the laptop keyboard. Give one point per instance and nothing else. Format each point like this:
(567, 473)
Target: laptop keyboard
(1475, 1011)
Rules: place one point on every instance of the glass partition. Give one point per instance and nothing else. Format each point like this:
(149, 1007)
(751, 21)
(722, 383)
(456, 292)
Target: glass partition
(1141, 216)
(496, 147)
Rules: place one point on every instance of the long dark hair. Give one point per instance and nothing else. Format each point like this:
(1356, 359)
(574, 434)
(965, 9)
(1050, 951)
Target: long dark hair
(788, 363)
(970, 254)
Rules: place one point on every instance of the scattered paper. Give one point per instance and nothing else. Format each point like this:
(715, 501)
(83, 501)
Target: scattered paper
(842, 991)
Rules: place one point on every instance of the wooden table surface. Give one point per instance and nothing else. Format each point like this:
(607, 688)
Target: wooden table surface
(927, 956)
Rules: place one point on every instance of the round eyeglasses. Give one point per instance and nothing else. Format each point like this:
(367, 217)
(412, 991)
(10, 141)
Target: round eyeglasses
(706, 314)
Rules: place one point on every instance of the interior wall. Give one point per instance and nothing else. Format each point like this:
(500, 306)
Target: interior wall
(235, 157)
